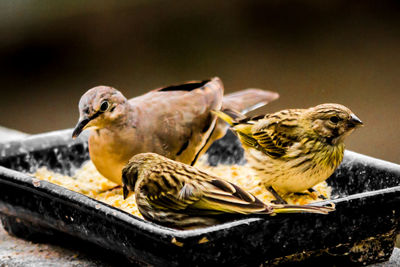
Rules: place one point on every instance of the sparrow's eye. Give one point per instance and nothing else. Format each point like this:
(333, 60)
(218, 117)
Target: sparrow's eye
(104, 106)
(334, 119)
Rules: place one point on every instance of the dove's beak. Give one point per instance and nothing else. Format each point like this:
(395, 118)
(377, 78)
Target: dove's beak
(83, 123)
(80, 126)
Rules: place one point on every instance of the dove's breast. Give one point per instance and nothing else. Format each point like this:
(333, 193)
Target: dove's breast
(110, 151)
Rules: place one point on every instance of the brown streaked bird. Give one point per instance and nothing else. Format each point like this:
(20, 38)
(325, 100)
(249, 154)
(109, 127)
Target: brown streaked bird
(174, 121)
(293, 150)
(180, 196)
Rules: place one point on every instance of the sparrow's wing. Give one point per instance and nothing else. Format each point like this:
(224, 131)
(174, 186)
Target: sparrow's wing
(205, 197)
(275, 133)
(170, 200)
(223, 196)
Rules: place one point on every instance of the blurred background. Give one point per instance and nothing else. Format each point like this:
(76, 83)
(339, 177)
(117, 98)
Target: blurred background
(310, 52)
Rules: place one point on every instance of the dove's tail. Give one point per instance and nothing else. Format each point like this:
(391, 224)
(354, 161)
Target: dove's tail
(247, 100)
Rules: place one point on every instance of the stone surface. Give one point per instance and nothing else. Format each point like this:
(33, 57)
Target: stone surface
(19, 252)
(394, 260)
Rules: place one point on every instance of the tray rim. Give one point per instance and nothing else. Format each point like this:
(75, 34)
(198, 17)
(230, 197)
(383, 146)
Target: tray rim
(27, 182)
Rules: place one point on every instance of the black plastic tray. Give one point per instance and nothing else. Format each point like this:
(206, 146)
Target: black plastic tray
(361, 230)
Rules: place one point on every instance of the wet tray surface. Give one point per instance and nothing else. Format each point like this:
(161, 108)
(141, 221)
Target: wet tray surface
(361, 230)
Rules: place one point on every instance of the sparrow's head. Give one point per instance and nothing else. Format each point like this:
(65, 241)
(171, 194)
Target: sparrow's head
(333, 122)
(137, 166)
(99, 107)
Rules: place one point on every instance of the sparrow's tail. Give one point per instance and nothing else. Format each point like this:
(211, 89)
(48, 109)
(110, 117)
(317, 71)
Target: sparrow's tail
(229, 116)
(301, 208)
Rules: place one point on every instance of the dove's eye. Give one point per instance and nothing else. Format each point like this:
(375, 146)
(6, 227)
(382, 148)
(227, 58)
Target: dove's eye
(334, 119)
(104, 106)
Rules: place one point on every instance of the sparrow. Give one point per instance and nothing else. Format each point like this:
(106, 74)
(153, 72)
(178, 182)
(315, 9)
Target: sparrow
(292, 150)
(180, 196)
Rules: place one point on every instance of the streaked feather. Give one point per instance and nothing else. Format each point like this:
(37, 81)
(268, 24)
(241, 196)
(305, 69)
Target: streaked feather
(197, 194)
(295, 149)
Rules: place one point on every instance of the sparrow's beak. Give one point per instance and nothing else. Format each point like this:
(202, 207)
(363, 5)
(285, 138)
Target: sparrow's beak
(354, 121)
(126, 192)
(80, 127)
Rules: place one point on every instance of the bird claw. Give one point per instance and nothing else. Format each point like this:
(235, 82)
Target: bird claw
(279, 202)
(278, 198)
(109, 189)
(314, 194)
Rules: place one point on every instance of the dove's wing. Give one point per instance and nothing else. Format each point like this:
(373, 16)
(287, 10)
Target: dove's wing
(179, 118)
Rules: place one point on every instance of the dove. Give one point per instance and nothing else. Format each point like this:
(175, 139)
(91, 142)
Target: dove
(174, 121)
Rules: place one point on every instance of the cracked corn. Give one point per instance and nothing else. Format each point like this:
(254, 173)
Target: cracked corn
(88, 181)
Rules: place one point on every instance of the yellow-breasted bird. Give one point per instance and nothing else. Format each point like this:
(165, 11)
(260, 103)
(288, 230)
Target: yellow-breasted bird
(174, 121)
(294, 149)
(180, 196)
